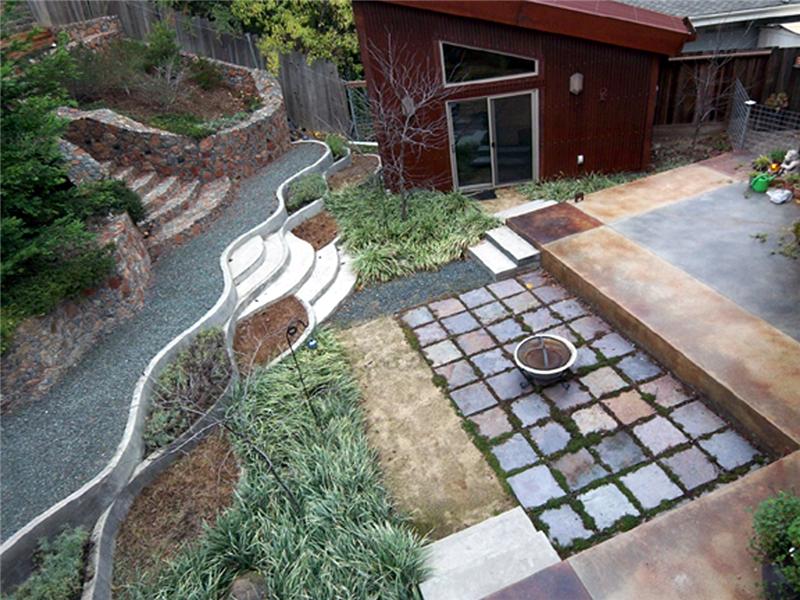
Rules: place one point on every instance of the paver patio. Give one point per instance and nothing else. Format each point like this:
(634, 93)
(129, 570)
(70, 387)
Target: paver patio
(618, 441)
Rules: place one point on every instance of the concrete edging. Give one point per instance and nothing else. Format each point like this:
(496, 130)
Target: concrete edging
(84, 506)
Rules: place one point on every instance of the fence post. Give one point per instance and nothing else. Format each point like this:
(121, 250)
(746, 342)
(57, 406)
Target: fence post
(749, 104)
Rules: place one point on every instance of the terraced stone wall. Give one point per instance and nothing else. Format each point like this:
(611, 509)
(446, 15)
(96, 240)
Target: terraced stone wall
(94, 33)
(45, 347)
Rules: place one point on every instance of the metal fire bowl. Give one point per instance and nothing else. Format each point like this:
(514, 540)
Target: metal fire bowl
(546, 376)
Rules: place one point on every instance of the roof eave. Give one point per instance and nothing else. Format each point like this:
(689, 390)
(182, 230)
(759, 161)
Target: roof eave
(751, 14)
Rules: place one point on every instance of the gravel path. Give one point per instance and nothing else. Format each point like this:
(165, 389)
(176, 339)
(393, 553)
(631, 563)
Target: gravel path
(53, 446)
(393, 296)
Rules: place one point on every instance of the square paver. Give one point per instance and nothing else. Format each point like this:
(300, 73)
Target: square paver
(651, 486)
(509, 385)
(590, 327)
(492, 423)
(667, 390)
(447, 307)
(428, 334)
(550, 437)
(628, 407)
(551, 293)
(658, 434)
(579, 469)
(607, 505)
(473, 398)
(460, 323)
(418, 316)
(535, 279)
(540, 320)
(475, 341)
(620, 451)
(505, 288)
(639, 367)
(535, 487)
(489, 313)
(507, 330)
(564, 525)
(603, 381)
(564, 332)
(475, 298)
(586, 358)
(521, 302)
(441, 353)
(593, 419)
(514, 453)
(567, 396)
(457, 373)
(696, 419)
(491, 362)
(613, 345)
(692, 468)
(530, 409)
(569, 309)
(729, 449)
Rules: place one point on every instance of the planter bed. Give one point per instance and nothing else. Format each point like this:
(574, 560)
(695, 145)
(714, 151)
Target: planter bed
(363, 165)
(319, 231)
(262, 337)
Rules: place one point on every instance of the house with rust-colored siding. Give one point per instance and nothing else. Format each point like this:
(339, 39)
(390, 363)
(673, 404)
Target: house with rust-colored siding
(528, 89)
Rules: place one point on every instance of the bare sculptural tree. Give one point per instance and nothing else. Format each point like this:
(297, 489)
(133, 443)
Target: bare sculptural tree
(405, 103)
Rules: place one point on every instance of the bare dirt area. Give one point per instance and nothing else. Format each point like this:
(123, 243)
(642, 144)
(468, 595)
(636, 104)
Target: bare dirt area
(363, 166)
(433, 471)
(171, 511)
(319, 231)
(262, 337)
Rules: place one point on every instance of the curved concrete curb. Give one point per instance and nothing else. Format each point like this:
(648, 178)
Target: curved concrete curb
(83, 506)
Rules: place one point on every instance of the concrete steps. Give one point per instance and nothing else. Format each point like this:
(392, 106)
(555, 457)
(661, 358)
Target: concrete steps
(341, 287)
(486, 557)
(326, 267)
(276, 255)
(247, 258)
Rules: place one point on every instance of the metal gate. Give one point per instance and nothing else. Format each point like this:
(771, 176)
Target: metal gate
(759, 128)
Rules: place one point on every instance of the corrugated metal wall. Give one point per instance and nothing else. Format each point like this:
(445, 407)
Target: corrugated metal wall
(609, 123)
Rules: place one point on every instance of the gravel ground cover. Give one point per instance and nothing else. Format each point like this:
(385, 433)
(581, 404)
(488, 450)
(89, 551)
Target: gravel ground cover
(615, 443)
(53, 446)
(387, 298)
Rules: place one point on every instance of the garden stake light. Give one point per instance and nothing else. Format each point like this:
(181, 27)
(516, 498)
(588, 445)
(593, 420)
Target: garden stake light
(291, 331)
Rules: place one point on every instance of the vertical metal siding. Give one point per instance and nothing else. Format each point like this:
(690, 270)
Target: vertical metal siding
(607, 123)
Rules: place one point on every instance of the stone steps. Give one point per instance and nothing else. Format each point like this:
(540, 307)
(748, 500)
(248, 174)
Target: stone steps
(486, 557)
(145, 182)
(161, 193)
(172, 204)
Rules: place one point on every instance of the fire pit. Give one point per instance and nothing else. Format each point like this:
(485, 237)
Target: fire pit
(544, 358)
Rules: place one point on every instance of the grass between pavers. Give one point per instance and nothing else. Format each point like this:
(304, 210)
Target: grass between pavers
(439, 228)
(347, 541)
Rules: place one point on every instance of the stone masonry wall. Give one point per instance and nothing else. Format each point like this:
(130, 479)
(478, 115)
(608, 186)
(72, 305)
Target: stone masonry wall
(45, 347)
(94, 33)
(81, 167)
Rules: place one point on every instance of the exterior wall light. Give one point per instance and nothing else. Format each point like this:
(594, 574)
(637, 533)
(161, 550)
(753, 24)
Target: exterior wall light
(576, 83)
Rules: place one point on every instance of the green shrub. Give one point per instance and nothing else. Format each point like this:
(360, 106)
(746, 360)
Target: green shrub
(776, 524)
(347, 541)
(108, 196)
(59, 568)
(206, 74)
(118, 68)
(305, 189)
(565, 188)
(439, 229)
(762, 163)
(162, 47)
(194, 381)
(337, 144)
(777, 155)
(183, 124)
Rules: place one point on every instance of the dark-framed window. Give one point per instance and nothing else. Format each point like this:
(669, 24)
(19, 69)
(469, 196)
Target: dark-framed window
(463, 64)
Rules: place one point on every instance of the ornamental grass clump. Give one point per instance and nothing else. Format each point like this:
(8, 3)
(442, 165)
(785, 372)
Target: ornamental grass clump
(439, 228)
(304, 190)
(343, 541)
(565, 188)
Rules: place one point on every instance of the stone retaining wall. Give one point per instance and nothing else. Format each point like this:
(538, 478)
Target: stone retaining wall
(94, 33)
(45, 347)
(81, 167)
(237, 151)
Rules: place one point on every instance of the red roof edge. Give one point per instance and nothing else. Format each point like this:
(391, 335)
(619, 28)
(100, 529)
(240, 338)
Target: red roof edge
(603, 21)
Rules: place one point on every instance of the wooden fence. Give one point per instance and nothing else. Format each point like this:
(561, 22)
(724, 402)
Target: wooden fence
(762, 73)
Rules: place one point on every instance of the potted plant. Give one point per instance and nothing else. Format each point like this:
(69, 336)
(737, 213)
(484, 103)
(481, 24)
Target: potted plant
(776, 543)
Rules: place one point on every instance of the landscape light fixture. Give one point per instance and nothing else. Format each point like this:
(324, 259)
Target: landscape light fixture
(291, 331)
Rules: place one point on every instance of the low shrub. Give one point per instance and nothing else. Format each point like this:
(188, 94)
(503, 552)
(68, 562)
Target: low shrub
(762, 163)
(337, 144)
(565, 188)
(304, 190)
(183, 124)
(776, 523)
(107, 197)
(59, 569)
(439, 229)
(205, 74)
(777, 155)
(189, 385)
(118, 68)
(162, 47)
(346, 540)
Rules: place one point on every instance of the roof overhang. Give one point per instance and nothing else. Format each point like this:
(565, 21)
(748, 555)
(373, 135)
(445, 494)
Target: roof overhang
(751, 14)
(603, 21)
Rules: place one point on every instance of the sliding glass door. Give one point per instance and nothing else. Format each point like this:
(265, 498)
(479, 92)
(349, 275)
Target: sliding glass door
(493, 140)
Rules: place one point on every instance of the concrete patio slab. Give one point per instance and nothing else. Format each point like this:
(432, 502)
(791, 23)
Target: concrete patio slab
(698, 551)
(654, 191)
(747, 368)
(711, 238)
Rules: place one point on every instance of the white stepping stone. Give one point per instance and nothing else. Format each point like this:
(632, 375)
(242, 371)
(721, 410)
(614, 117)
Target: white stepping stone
(512, 245)
(486, 557)
(522, 209)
